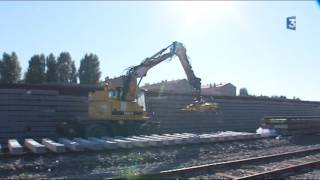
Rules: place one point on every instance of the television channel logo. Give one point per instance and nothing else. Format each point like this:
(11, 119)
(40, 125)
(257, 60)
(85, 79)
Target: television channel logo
(292, 23)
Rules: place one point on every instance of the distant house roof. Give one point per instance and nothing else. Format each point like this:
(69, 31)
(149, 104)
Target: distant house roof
(207, 86)
(183, 86)
(116, 82)
(226, 84)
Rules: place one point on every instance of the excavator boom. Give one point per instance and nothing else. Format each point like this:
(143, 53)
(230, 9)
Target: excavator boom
(140, 71)
(194, 81)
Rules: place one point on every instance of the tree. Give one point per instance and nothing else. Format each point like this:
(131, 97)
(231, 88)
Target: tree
(10, 69)
(74, 74)
(89, 70)
(296, 98)
(64, 68)
(278, 97)
(243, 92)
(52, 75)
(36, 70)
(283, 97)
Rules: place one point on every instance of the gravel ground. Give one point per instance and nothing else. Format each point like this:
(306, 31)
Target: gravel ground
(307, 174)
(128, 162)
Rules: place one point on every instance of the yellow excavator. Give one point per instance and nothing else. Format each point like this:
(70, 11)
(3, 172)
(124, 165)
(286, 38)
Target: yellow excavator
(119, 109)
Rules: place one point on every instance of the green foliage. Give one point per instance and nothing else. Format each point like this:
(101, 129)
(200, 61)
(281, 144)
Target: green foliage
(74, 74)
(89, 70)
(10, 69)
(65, 68)
(52, 75)
(296, 98)
(36, 70)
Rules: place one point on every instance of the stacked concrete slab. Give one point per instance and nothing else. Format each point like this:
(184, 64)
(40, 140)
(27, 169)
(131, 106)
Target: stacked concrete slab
(36, 113)
(234, 113)
(293, 125)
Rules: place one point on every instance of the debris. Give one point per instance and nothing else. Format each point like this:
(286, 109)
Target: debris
(201, 107)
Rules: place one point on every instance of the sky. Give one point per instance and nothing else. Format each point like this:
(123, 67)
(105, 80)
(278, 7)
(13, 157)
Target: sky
(245, 43)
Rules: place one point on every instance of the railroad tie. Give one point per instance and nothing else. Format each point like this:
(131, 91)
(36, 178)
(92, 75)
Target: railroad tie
(207, 138)
(187, 139)
(34, 146)
(110, 140)
(174, 140)
(15, 147)
(106, 144)
(71, 145)
(121, 143)
(137, 142)
(149, 141)
(90, 145)
(191, 138)
(157, 140)
(244, 136)
(178, 139)
(53, 146)
(165, 140)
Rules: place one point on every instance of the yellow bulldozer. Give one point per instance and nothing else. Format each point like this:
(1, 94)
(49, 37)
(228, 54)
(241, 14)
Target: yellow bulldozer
(119, 109)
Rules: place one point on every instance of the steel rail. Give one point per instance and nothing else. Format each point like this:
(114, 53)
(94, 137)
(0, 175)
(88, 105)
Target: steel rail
(280, 170)
(184, 172)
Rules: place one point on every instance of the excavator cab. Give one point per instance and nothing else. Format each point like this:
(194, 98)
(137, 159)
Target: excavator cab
(109, 105)
(141, 100)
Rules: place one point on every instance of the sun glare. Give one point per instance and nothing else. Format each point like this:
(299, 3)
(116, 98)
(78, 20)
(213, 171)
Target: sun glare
(194, 13)
(195, 10)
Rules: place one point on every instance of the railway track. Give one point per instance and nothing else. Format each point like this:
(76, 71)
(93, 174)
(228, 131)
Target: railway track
(79, 145)
(249, 168)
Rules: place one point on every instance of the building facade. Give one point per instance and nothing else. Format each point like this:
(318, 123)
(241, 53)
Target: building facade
(183, 86)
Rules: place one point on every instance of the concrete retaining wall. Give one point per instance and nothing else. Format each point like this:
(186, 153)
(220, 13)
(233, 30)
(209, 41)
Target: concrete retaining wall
(235, 113)
(36, 113)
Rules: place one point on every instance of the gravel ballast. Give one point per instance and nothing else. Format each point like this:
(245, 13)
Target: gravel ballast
(135, 161)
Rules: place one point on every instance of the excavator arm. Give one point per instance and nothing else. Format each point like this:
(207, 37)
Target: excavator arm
(140, 71)
(194, 81)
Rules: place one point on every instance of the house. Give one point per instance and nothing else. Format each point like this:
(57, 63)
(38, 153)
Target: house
(227, 89)
(182, 86)
(175, 86)
(116, 81)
